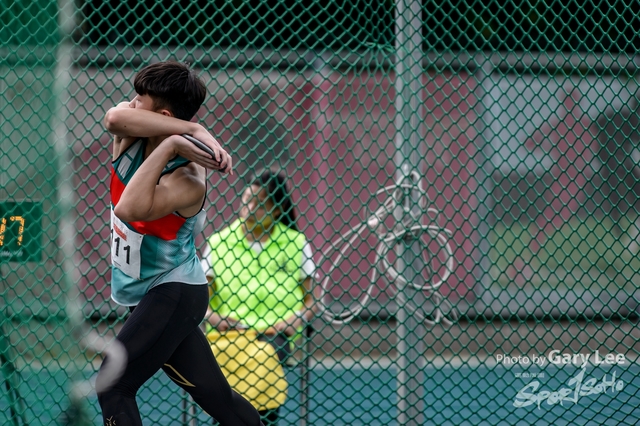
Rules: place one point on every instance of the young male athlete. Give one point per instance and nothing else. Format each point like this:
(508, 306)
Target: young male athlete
(157, 193)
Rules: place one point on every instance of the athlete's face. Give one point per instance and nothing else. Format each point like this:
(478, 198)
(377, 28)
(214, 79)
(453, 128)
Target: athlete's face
(142, 102)
(256, 209)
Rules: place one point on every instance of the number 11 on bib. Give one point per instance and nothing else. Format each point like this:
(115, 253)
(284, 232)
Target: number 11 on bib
(125, 248)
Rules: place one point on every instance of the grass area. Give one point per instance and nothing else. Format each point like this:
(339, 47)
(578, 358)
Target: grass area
(580, 253)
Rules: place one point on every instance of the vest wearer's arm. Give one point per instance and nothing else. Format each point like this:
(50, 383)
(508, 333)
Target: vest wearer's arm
(311, 296)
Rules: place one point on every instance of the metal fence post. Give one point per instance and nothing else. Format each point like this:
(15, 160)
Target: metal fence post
(407, 139)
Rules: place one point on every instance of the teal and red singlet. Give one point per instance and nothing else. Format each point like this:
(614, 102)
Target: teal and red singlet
(147, 254)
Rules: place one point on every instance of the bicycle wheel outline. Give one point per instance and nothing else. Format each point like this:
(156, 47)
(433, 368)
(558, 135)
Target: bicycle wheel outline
(348, 314)
(394, 277)
(439, 234)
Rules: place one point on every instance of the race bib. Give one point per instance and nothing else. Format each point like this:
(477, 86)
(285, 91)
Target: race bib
(125, 248)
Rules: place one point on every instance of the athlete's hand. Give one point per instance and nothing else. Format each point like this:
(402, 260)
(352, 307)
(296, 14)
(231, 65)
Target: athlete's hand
(182, 147)
(223, 158)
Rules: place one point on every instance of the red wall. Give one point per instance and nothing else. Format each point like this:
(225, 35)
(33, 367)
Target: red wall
(339, 134)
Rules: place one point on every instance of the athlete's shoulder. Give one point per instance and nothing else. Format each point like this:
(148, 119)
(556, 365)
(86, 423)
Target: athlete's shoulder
(121, 145)
(181, 167)
(185, 177)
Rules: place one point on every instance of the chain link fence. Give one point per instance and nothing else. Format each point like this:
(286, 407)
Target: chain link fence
(467, 174)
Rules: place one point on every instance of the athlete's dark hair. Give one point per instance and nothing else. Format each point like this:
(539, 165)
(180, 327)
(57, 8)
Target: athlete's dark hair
(172, 86)
(277, 190)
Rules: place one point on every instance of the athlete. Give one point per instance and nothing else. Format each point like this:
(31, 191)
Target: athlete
(158, 191)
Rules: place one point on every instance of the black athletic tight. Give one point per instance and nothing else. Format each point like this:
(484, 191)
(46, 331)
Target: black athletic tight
(163, 332)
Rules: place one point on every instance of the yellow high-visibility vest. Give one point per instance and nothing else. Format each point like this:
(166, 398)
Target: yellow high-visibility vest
(257, 289)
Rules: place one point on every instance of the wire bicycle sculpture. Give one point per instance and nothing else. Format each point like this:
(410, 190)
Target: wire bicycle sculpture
(401, 222)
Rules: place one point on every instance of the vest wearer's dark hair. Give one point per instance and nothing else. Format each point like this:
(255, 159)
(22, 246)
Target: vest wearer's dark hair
(277, 190)
(173, 86)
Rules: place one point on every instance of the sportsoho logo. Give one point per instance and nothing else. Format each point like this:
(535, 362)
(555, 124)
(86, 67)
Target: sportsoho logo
(575, 388)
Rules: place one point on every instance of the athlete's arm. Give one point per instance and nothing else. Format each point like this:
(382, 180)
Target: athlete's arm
(124, 121)
(121, 143)
(127, 124)
(146, 199)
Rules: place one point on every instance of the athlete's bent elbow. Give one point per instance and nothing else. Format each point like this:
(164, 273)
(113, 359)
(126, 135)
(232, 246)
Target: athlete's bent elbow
(126, 214)
(112, 122)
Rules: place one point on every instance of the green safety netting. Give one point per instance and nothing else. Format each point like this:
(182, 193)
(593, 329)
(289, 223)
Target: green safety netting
(465, 172)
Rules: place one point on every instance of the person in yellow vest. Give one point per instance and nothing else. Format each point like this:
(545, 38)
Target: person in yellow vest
(261, 273)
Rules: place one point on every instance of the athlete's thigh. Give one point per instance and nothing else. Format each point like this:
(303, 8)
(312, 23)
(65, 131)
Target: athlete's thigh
(149, 320)
(193, 366)
(153, 331)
